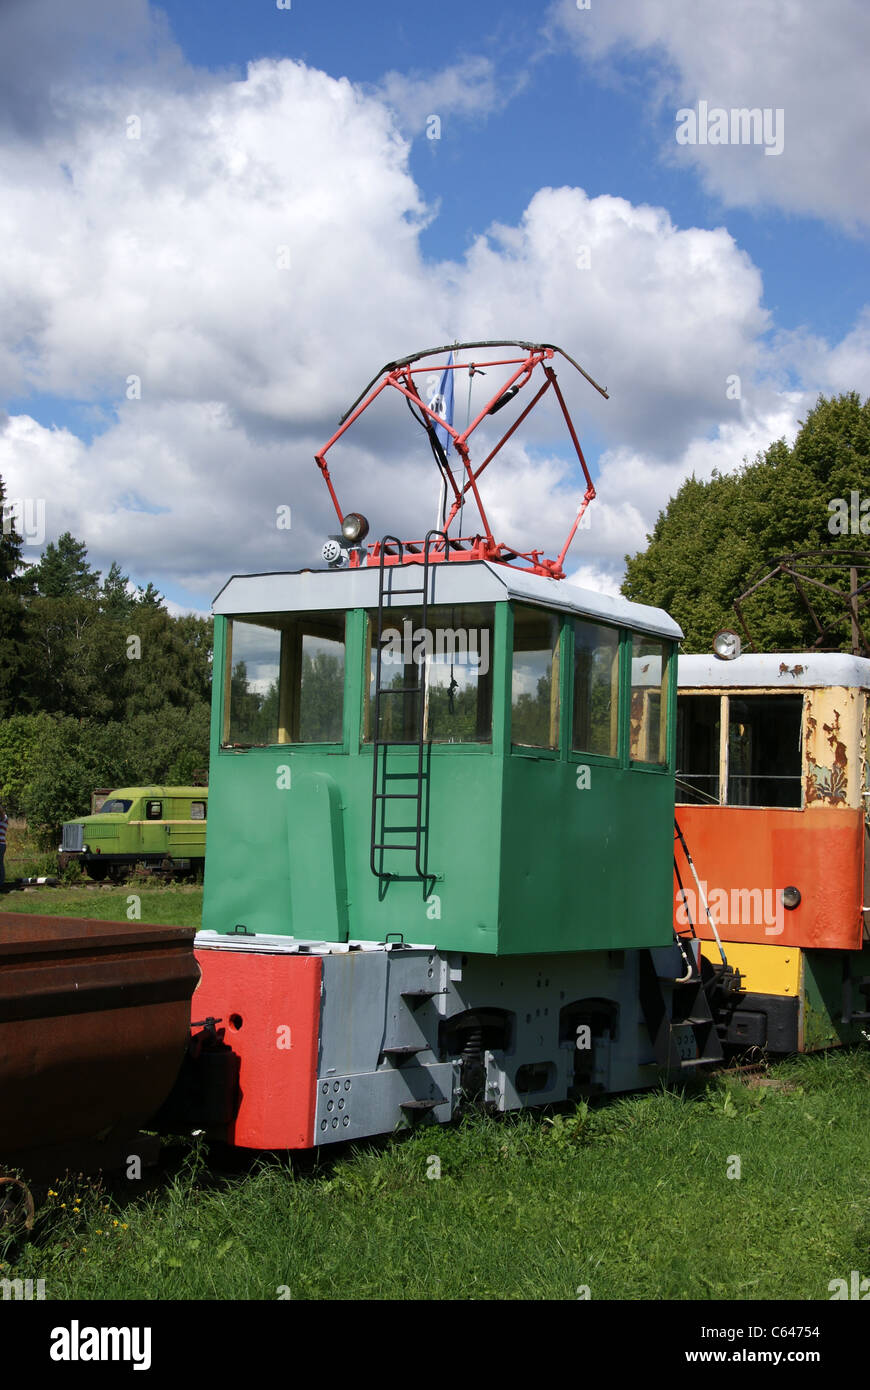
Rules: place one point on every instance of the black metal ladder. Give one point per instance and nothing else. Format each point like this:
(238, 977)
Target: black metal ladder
(414, 835)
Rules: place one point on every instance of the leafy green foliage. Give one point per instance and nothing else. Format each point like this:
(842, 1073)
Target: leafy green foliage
(77, 755)
(21, 738)
(715, 539)
(99, 684)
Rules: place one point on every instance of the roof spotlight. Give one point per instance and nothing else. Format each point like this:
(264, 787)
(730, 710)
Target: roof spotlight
(354, 528)
(726, 645)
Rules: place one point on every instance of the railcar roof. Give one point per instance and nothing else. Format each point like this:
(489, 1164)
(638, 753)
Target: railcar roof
(195, 792)
(777, 670)
(463, 581)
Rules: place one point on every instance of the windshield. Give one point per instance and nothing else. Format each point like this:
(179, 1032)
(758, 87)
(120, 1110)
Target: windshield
(114, 806)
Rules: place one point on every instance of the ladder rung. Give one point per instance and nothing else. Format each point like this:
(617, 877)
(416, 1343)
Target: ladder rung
(403, 829)
(412, 848)
(395, 796)
(399, 690)
(399, 743)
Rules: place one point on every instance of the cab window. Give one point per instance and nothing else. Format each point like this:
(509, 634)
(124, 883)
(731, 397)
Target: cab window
(535, 679)
(764, 750)
(698, 744)
(447, 665)
(595, 726)
(284, 680)
(762, 754)
(153, 810)
(649, 696)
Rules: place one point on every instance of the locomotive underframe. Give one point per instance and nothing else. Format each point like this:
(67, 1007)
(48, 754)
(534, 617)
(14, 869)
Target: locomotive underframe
(383, 1034)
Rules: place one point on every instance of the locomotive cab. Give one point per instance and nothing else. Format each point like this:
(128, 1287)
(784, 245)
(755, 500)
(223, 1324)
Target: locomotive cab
(477, 786)
(772, 796)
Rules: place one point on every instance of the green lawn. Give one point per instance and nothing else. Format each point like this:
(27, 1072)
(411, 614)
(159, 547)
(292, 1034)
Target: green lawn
(631, 1199)
(177, 905)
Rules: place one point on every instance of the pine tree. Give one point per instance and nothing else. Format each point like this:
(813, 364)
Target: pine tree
(12, 650)
(64, 570)
(10, 542)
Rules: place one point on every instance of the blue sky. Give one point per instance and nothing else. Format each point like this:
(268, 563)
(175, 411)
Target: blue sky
(556, 129)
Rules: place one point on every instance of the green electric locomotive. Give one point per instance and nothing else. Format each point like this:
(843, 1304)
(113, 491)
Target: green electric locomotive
(440, 842)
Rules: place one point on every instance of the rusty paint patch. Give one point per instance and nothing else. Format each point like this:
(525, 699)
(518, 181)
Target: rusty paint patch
(829, 783)
(826, 784)
(785, 670)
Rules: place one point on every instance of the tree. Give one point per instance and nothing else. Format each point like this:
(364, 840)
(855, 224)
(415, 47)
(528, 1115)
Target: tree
(715, 539)
(64, 570)
(114, 595)
(149, 597)
(12, 648)
(21, 739)
(10, 541)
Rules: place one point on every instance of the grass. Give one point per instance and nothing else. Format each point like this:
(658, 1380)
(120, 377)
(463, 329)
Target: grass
(169, 904)
(177, 905)
(24, 857)
(630, 1198)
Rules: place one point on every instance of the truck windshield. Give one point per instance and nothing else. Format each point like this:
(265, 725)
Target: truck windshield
(115, 806)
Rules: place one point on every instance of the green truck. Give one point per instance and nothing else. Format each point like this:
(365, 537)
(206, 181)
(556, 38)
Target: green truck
(160, 827)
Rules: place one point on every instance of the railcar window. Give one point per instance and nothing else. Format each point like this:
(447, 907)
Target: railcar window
(197, 810)
(286, 680)
(450, 661)
(649, 693)
(764, 750)
(596, 689)
(153, 810)
(114, 807)
(535, 679)
(698, 741)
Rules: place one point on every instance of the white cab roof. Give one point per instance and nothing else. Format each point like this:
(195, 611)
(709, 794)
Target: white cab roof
(780, 670)
(459, 581)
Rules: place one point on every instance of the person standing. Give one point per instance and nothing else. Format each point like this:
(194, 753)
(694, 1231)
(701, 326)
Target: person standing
(4, 821)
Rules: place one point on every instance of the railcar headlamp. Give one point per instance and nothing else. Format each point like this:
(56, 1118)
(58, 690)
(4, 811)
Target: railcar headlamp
(354, 528)
(791, 897)
(726, 645)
